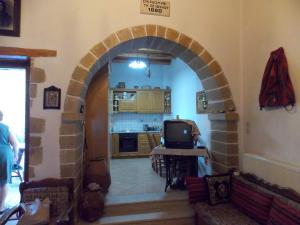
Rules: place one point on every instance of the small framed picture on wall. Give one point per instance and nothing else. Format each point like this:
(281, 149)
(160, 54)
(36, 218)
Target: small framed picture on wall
(52, 98)
(10, 14)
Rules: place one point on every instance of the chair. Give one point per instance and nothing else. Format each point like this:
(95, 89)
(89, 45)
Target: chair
(17, 168)
(157, 161)
(60, 193)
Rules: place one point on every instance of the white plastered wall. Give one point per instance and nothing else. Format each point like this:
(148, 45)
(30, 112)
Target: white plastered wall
(271, 137)
(72, 27)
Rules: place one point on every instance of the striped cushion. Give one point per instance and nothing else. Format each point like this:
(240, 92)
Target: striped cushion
(197, 189)
(256, 204)
(283, 214)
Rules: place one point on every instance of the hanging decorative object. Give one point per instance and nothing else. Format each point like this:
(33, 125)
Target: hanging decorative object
(52, 98)
(276, 88)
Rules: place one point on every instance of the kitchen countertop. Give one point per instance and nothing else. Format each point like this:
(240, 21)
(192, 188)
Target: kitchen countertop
(134, 131)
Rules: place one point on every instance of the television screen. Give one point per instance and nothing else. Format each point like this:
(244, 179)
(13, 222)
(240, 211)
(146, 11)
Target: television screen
(178, 134)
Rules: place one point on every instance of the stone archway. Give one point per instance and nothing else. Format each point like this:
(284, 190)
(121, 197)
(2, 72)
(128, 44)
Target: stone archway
(220, 108)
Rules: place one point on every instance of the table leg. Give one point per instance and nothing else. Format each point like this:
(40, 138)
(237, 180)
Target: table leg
(168, 172)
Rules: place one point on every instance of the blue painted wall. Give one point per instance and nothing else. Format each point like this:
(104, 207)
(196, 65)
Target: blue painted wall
(121, 72)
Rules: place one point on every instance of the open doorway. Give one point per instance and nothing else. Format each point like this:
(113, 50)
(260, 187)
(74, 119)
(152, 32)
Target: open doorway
(13, 96)
(131, 120)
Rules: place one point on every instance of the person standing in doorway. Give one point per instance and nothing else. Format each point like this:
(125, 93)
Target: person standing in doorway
(8, 154)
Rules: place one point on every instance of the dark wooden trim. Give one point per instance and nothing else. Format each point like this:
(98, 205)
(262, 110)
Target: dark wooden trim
(8, 62)
(27, 124)
(27, 52)
(283, 191)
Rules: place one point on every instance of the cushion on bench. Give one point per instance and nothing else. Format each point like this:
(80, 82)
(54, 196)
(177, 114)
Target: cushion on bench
(283, 214)
(197, 189)
(222, 214)
(251, 201)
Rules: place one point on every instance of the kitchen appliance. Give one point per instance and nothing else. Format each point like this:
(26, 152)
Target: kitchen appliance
(128, 142)
(178, 134)
(145, 127)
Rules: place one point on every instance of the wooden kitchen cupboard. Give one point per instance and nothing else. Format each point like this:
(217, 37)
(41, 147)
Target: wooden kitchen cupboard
(143, 144)
(125, 100)
(141, 100)
(114, 144)
(150, 101)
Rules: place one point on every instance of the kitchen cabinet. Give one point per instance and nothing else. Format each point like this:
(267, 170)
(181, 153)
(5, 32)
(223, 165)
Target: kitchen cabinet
(124, 100)
(157, 101)
(114, 144)
(144, 99)
(141, 100)
(150, 101)
(127, 105)
(143, 145)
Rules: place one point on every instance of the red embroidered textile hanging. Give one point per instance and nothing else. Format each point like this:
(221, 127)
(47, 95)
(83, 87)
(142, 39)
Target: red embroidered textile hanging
(276, 87)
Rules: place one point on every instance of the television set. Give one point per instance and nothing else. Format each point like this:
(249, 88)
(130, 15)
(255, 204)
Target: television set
(178, 134)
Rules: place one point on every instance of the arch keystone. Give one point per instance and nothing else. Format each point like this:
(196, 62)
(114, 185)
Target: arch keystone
(138, 31)
(151, 30)
(161, 31)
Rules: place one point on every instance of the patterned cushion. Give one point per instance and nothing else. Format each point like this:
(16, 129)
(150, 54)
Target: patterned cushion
(218, 188)
(251, 201)
(223, 214)
(58, 196)
(197, 189)
(283, 214)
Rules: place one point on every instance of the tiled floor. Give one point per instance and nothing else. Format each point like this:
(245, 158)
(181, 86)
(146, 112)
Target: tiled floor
(134, 176)
(129, 177)
(13, 196)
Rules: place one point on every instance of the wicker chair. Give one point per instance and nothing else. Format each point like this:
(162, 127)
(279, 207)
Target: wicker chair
(157, 161)
(60, 193)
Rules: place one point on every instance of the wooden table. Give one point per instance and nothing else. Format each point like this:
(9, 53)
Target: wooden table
(173, 156)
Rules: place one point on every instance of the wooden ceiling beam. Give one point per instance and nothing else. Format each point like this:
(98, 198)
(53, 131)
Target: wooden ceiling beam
(27, 52)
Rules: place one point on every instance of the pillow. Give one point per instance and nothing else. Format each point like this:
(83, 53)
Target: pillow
(253, 202)
(218, 188)
(283, 214)
(35, 213)
(197, 189)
